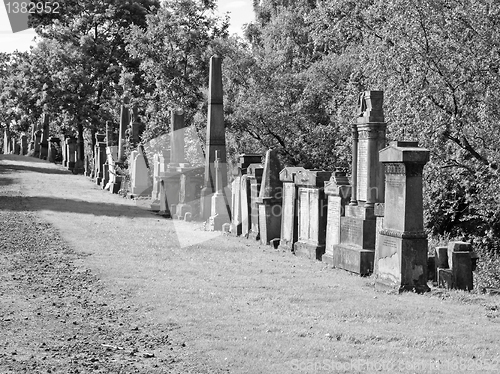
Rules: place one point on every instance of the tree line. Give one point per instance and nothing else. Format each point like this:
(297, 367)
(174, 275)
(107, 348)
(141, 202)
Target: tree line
(290, 83)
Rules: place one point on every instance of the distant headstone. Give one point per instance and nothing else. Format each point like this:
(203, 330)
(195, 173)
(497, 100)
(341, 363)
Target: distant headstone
(254, 176)
(24, 144)
(220, 214)
(124, 122)
(139, 175)
(44, 140)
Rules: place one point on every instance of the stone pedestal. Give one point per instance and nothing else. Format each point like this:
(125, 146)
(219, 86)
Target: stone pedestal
(338, 192)
(254, 173)
(220, 212)
(356, 250)
(289, 211)
(401, 255)
(114, 180)
(312, 213)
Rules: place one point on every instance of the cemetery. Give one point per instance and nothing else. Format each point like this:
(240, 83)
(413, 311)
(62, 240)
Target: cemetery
(318, 194)
(368, 220)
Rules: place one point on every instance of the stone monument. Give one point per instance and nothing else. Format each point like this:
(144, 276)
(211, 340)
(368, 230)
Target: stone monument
(312, 209)
(124, 122)
(44, 140)
(99, 158)
(216, 138)
(356, 250)
(24, 144)
(254, 174)
(338, 191)
(220, 212)
(289, 211)
(270, 199)
(401, 254)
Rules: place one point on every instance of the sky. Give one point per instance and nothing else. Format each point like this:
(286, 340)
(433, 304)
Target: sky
(241, 12)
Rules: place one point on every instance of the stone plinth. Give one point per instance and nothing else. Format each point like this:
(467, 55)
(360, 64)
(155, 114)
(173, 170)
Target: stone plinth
(220, 212)
(254, 175)
(289, 212)
(312, 210)
(338, 192)
(401, 254)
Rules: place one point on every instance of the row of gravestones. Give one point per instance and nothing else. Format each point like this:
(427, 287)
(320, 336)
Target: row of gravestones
(371, 224)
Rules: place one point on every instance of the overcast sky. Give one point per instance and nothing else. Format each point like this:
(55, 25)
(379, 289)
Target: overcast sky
(241, 13)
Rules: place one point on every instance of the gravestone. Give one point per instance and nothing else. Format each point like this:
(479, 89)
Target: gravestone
(71, 152)
(38, 137)
(44, 140)
(220, 212)
(356, 250)
(270, 199)
(114, 180)
(312, 212)
(401, 255)
(254, 173)
(289, 212)
(216, 139)
(54, 145)
(100, 158)
(24, 144)
(338, 192)
(16, 146)
(159, 167)
(124, 122)
(139, 177)
(6, 141)
(241, 199)
(134, 127)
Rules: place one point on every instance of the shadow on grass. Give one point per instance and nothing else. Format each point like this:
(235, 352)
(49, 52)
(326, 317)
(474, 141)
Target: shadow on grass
(56, 204)
(7, 167)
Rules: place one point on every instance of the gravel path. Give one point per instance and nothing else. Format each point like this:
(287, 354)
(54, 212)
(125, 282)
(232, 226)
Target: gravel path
(55, 315)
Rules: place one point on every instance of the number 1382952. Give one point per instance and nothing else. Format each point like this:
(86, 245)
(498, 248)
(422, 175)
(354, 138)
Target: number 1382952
(32, 7)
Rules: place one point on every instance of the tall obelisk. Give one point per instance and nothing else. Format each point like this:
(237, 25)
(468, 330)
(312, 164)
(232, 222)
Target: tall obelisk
(216, 137)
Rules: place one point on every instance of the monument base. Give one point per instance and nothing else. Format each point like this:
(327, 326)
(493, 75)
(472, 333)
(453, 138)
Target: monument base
(327, 258)
(254, 235)
(216, 222)
(384, 285)
(311, 251)
(155, 206)
(353, 259)
(285, 245)
(235, 229)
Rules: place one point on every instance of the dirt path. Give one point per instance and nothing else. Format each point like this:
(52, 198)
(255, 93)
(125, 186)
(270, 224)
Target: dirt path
(84, 273)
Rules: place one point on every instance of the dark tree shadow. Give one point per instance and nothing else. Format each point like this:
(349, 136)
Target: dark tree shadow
(56, 204)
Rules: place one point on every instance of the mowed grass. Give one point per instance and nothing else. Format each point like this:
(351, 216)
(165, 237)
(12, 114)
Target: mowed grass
(251, 309)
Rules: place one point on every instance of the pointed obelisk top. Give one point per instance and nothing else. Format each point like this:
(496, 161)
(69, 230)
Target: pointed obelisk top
(215, 82)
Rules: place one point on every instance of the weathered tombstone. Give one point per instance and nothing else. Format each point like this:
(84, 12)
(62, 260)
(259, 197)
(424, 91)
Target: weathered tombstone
(216, 139)
(6, 141)
(38, 137)
(270, 199)
(53, 147)
(220, 214)
(124, 122)
(338, 192)
(401, 255)
(241, 199)
(44, 140)
(140, 176)
(356, 250)
(114, 180)
(289, 212)
(16, 146)
(312, 212)
(245, 199)
(189, 193)
(71, 152)
(134, 126)
(254, 173)
(24, 144)
(100, 158)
